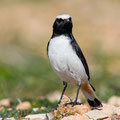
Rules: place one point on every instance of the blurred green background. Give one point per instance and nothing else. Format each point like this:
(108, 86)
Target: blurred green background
(25, 29)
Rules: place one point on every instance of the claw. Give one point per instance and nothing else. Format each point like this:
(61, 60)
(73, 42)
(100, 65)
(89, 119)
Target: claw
(72, 103)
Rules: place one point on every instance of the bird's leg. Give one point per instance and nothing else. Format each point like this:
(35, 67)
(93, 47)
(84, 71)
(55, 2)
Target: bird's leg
(75, 102)
(65, 86)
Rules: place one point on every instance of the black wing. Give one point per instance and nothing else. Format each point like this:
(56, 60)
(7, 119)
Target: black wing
(80, 55)
(47, 47)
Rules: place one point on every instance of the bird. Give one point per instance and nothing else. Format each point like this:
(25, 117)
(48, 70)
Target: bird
(68, 61)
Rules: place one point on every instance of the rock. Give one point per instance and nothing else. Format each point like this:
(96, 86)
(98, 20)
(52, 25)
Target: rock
(1, 107)
(9, 118)
(65, 99)
(54, 96)
(78, 112)
(24, 105)
(110, 109)
(106, 112)
(66, 110)
(96, 114)
(114, 100)
(36, 116)
(81, 109)
(5, 102)
(35, 109)
(73, 113)
(75, 117)
(47, 116)
(9, 109)
(42, 108)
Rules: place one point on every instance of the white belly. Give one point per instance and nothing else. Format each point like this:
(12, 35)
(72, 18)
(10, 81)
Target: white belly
(65, 62)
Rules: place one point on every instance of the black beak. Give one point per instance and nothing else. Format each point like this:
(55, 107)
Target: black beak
(67, 20)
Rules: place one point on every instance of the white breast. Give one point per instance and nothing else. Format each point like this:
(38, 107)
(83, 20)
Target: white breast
(64, 60)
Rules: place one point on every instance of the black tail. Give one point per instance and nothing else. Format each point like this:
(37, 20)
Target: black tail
(90, 95)
(95, 103)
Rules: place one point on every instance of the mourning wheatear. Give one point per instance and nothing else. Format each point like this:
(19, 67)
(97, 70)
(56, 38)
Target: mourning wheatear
(68, 61)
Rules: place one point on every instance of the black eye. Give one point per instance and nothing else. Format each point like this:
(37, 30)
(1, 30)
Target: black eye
(59, 20)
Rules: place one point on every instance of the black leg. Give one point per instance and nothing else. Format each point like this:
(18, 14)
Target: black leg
(75, 102)
(65, 86)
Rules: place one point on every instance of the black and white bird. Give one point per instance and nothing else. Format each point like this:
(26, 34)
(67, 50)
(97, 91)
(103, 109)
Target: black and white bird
(68, 61)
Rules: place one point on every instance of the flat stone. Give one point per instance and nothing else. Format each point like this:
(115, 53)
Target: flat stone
(96, 114)
(75, 117)
(24, 105)
(110, 109)
(9, 118)
(47, 116)
(55, 96)
(5, 102)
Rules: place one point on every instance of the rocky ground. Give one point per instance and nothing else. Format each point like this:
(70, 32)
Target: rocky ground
(84, 112)
(109, 111)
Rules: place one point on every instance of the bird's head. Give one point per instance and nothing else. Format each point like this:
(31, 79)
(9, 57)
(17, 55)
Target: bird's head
(62, 24)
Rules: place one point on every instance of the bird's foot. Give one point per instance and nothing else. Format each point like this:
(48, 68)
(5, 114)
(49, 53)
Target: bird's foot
(73, 103)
